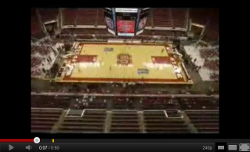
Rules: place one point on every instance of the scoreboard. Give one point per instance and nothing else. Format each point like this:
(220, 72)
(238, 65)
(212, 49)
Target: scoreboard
(126, 21)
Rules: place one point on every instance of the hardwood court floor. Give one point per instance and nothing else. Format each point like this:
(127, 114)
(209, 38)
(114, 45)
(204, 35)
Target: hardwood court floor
(121, 62)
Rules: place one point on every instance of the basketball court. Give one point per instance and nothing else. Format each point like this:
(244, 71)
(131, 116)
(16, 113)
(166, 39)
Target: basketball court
(123, 63)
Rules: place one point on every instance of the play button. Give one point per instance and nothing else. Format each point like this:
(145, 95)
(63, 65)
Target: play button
(10, 147)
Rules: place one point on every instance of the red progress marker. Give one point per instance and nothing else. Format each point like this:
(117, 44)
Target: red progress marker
(17, 140)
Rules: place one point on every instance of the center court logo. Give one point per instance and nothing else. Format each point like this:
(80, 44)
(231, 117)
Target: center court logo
(124, 59)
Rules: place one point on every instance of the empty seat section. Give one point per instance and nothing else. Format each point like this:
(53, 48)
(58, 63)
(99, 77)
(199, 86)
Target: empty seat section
(92, 121)
(162, 17)
(124, 122)
(159, 103)
(157, 122)
(48, 14)
(36, 30)
(101, 20)
(204, 121)
(86, 16)
(69, 16)
(50, 101)
(199, 15)
(123, 103)
(42, 120)
(67, 31)
(179, 17)
(198, 103)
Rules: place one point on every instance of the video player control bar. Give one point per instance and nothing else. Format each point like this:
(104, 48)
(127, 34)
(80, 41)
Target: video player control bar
(152, 147)
(159, 147)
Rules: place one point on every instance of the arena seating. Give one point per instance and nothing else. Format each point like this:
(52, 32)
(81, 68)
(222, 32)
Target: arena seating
(211, 33)
(147, 33)
(86, 16)
(47, 42)
(100, 20)
(38, 35)
(64, 36)
(174, 113)
(43, 50)
(180, 33)
(69, 16)
(159, 103)
(102, 36)
(42, 120)
(159, 17)
(179, 17)
(199, 15)
(211, 62)
(171, 17)
(207, 58)
(158, 33)
(150, 21)
(43, 55)
(124, 121)
(38, 60)
(208, 17)
(50, 102)
(161, 115)
(214, 76)
(213, 65)
(48, 14)
(34, 21)
(36, 30)
(92, 121)
(164, 33)
(205, 121)
(157, 122)
(35, 61)
(209, 53)
(162, 17)
(67, 31)
(84, 37)
(84, 31)
(198, 103)
(89, 102)
(91, 31)
(123, 103)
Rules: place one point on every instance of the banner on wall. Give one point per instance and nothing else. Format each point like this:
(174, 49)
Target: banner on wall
(109, 20)
(142, 20)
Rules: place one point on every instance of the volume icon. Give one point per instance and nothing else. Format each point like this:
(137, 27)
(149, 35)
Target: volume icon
(28, 147)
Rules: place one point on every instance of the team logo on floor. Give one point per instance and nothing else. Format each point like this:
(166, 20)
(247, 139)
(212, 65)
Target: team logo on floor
(124, 59)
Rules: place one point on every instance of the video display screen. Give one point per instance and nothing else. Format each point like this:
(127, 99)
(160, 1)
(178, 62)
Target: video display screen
(125, 21)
